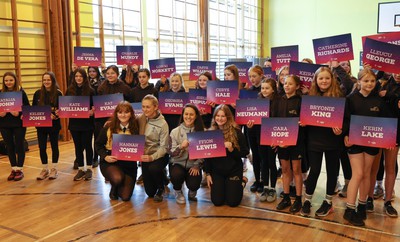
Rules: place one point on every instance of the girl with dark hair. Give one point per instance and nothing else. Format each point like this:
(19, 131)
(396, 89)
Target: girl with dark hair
(182, 169)
(11, 128)
(95, 77)
(121, 174)
(48, 95)
(82, 128)
(144, 87)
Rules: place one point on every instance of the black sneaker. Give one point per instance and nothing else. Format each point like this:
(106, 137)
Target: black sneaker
(260, 187)
(88, 175)
(296, 206)
(80, 175)
(158, 197)
(370, 205)
(390, 210)
(362, 211)
(306, 209)
(351, 216)
(292, 191)
(285, 203)
(254, 187)
(324, 210)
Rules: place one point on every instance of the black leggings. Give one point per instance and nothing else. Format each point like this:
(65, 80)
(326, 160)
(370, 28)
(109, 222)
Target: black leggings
(153, 175)
(268, 165)
(14, 139)
(98, 125)
(122, 176)
(179, 175)
(227, 188)
(331, 163)
(42, 141)
(345, 162)
(381, 171)
(83, 141)
(254, 141)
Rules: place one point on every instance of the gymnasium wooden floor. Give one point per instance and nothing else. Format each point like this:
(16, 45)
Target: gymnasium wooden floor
(64, 210)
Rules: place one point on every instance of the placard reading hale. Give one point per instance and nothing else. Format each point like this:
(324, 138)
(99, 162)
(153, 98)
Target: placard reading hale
(251, 110)
(198, 97)
(373, 131)
(73, 106)
(172, 102)
(222, 92)
(87, 56)
(36, 116)
(162, 67)
(130, 55)
(128, 147)
(104, 105)
(333, 48)
(279, 131)
(207, 144)
(322, 111)
(10, 101)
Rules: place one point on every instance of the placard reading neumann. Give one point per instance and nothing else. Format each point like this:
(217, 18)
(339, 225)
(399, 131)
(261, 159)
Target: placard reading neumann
(304, 71)
(279, 131)
(162, 67)
(382, 56)
(322, 111)
(128, 147)
(281, 56)
(130, 55)
(251, 110)
(36, 116)
(198, 67)
(87, 56)
(243, 68)
(207, 144)
(222, 92)
(172, 102)
(373, 131)
(10, 101)
(105, 105)
(74, 106)
(198, 97)
(334, 48)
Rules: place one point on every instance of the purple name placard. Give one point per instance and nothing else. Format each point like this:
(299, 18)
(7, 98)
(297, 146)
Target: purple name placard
(137, 108)
(73, 106)
(198, 97)
(207, 144)
(36, 116)
(304, 71)
(269, 73)
(198, 67)
(105, 105)
(222, 92)
(382, 56)
(279, 131)
(251, 110)
(281, 56)
(172, 102)
(243, 68)
(390, 38)
(247, 94)
(373, 131)
(128, 147)
(87, 56)
(10, 101)
(162, 67)
(322, 111)
(333, 48)
(130, 55)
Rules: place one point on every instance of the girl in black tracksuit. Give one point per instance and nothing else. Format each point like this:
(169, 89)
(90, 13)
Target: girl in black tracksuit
(11, 129)
(225, 174)
(323, 140)
(144, 87)
(48, 95)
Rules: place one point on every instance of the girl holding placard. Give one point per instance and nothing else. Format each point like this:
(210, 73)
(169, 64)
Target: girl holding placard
(201, 83)
(11, 129)
(121, 174)
(323, 140)
(130, 75)
(48, 95)
(225, 174)
(183, 169)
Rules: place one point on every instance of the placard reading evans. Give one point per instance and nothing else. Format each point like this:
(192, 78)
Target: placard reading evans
(382, 56)
(36, 116)
(128, 147)
(73, 106)
(251, 110)
(198, 97)
(10, 101)
(130, 55)
(162, 67)
(222, 92)
(87, 56)
(172, 102)
(207, 144)
(334, 48)
(279, 131)
(105, 105)
(322, 111)
(373, 131)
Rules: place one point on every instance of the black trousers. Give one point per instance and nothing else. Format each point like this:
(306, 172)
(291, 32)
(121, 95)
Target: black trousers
(180, 174)
(268, 165)
(153, 175)
(42, 140)
(14, 139)
(83, 142)
(227, 187)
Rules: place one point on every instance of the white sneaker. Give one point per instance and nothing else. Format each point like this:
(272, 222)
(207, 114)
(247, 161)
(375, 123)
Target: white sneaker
(180, 199)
